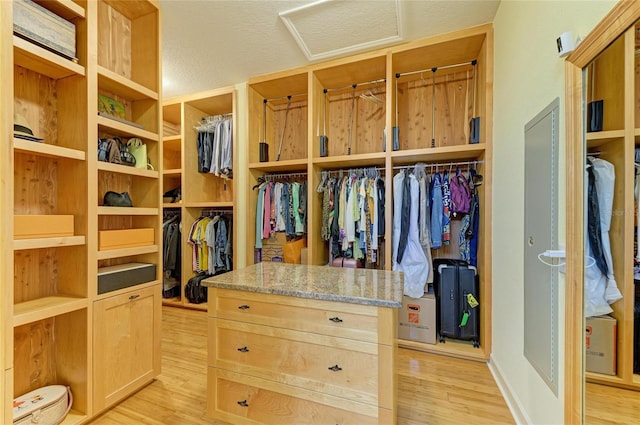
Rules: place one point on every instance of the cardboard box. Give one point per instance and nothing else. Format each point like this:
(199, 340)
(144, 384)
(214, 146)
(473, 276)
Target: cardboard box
(272, 248)
(112, 278)
(417, 319)
(44, 28)
(42, 226)
(127, 238)
(600, 343)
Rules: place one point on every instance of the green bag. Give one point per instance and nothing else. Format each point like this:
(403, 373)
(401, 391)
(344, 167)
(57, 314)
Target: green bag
(139, 151)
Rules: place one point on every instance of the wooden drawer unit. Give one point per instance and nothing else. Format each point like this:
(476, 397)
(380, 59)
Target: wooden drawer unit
(239, 399)
(299, 360)
(351, 321)
(343, 367)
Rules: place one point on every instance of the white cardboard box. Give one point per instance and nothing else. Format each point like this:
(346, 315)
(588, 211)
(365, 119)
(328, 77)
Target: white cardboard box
(600, 343)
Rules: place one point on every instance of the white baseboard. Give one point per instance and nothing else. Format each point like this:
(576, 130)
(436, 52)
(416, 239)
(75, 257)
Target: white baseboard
(515, 407)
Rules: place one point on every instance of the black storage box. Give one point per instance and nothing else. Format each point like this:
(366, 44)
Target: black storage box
(112, 278)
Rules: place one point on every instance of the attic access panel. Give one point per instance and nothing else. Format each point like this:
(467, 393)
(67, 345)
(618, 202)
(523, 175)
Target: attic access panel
(329, 28)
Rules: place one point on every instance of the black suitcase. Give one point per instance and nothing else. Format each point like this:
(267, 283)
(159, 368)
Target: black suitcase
(458, 301)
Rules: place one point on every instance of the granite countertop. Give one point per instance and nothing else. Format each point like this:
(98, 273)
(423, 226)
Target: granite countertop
(357, 286)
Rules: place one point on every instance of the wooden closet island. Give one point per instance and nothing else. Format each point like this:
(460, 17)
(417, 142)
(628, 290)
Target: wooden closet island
(292, 344)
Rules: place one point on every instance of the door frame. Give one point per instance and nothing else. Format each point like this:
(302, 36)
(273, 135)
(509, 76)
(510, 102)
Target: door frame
(624, 14)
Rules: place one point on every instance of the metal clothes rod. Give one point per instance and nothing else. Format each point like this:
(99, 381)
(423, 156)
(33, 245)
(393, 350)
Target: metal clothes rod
(208, 211)
(269, 177)
(354, 85)
(439, 164)
(351, 170)
(284, 97)
(216, 117)
(436, 68)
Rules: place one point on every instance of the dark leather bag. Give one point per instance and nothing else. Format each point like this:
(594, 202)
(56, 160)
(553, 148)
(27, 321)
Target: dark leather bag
(115, 199)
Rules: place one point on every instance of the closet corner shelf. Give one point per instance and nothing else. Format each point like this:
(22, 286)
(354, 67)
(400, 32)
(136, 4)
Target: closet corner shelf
(445, 153)
(125, 169)
(172, 172)
(20, 244)
(122, 86)
(42, 61)
(46, 307)
(172, 205)
(127, 252)
(44, 149)
(353, 161)
(133, 9)
(172, 302)
(172, 143)
(209, 204)
(102, 210)
(601, 379)
(452, 348)
(604, 136)
(275, 166)
(66, 9)
(126, 130)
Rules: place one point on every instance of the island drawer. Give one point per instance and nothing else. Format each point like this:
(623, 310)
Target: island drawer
(242, 399)
(341, 367)
(353, 321)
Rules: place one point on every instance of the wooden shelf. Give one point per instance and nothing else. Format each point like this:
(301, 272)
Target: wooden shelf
(596, 138)
(460, 349)
(448, 153)
(211, 204)
(126, 252)
(44, 308)
(603, 379)
(133, 9)
(275, 166)
(66, 9)
(125, 169)
(126, 130)
(102, 210)
(44, 149)
(115, 83)
(172, 302)
(74, 417)
(171, 111)
(21, 244)
(172, 172)
(192, 306)
(172, 143)
(358, 160)
(172, 205)
(42, 61)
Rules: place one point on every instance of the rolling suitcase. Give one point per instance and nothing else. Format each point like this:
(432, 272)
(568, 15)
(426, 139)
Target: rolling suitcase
(458, 305)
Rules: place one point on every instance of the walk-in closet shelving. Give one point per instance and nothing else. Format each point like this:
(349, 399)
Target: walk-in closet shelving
(199, 190)
(356, 96)
(613, 78)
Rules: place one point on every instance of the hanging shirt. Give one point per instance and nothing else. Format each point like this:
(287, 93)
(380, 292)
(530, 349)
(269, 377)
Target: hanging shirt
(446, 210)
(436, 211)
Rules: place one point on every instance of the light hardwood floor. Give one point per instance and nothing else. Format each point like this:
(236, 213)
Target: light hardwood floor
(431, 389)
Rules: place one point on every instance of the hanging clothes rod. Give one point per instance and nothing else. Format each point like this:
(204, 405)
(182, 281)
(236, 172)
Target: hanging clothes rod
(343, 171)
(439, 164)
(354, 85)
(213, 211)
(269, 177)
(436, 68)
(284, 97)
(216, 117)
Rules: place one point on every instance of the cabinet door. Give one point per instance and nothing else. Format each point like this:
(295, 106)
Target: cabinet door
(126, 344)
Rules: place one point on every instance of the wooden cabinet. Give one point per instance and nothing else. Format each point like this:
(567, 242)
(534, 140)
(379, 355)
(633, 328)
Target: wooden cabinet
(356, 102)
(202, 192)
(330, 361)
(51, 286)
(126, 330)
(613, 77)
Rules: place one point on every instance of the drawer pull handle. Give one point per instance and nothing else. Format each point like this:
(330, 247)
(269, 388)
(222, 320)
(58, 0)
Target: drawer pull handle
(335, 319)
(335, 368)
(133, 297)
(244, 307)
(243, 350)
(243, 403)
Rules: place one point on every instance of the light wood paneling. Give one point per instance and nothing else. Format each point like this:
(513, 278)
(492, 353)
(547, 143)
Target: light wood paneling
(433, 389)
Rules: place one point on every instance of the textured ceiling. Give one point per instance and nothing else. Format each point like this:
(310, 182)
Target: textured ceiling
(209, 44)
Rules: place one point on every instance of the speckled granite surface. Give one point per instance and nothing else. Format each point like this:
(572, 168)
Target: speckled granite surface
(358, 286)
